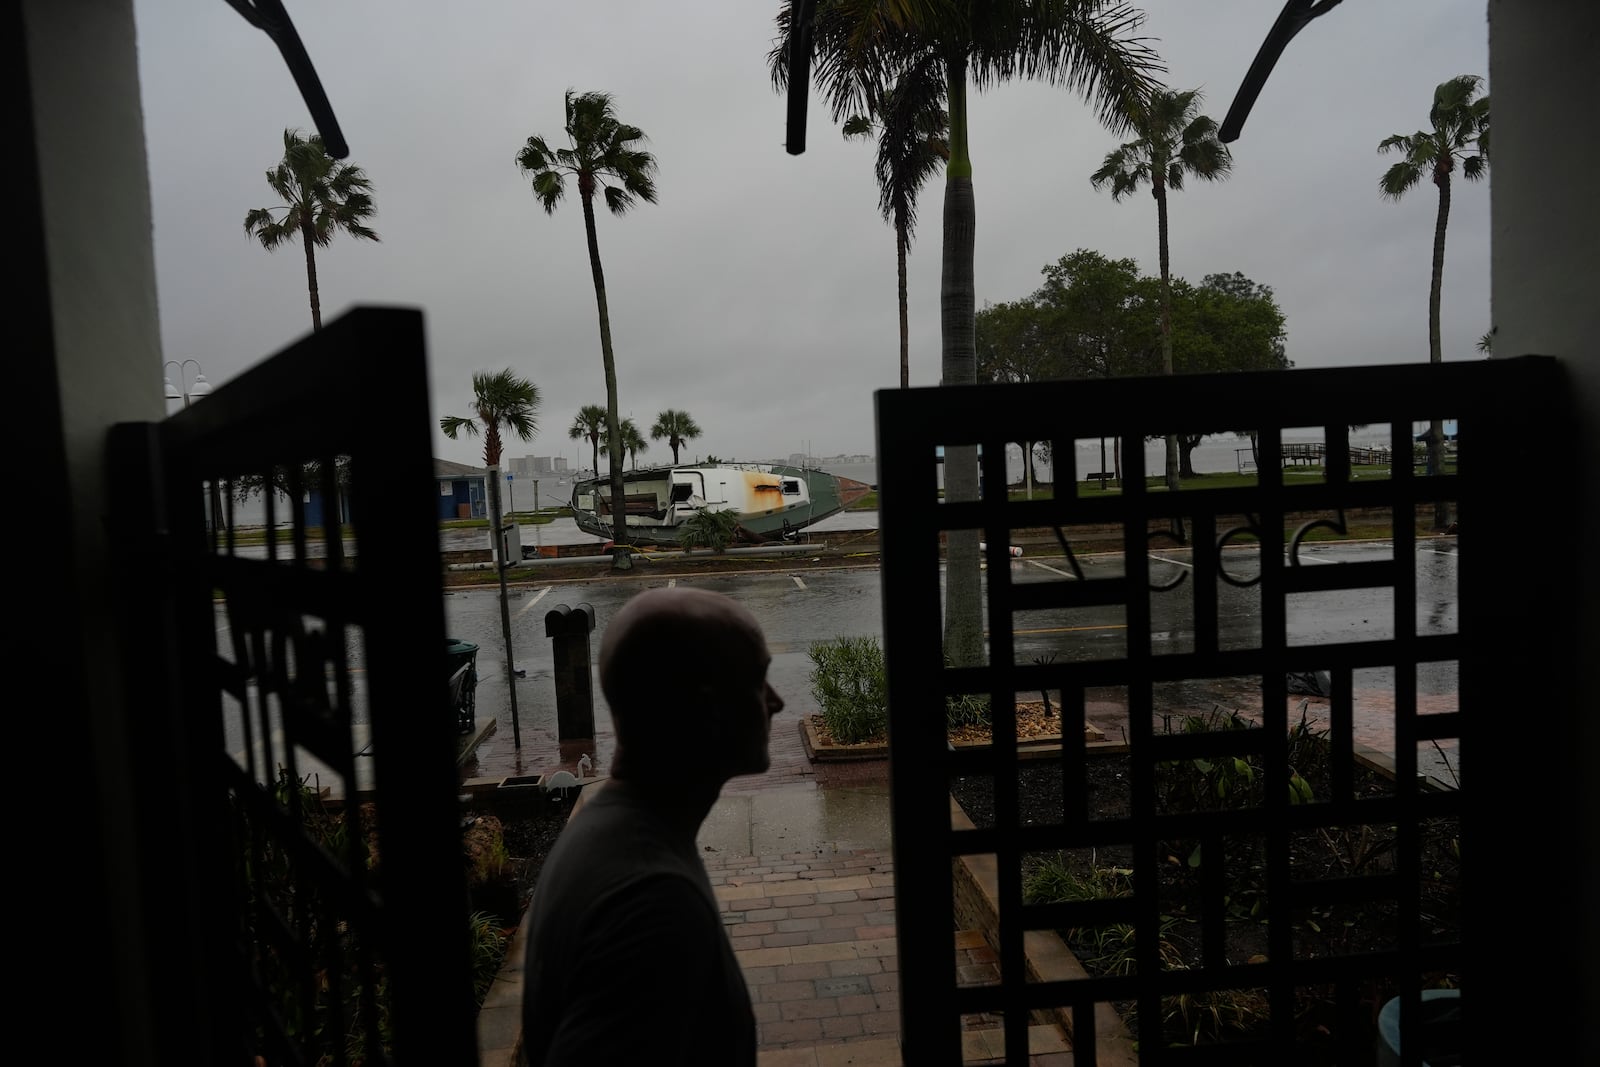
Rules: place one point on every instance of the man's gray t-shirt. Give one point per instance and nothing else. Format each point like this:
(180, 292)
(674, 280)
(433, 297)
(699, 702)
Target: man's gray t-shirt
(627, 958)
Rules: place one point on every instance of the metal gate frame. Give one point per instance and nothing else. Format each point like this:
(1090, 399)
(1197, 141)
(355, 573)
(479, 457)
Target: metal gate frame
(351, 398)
(1512, 418)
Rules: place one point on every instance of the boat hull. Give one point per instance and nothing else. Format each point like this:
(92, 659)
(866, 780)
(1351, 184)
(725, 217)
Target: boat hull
(771, 502)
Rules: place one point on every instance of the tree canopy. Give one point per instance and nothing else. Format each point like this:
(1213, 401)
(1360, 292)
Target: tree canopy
(1095, 317)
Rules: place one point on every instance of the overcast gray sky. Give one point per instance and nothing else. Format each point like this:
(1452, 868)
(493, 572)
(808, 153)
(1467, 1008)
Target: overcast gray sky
(759, 292)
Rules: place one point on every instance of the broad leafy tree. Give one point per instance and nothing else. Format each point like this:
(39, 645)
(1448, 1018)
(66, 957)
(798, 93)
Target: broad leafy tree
(321, 197)
(1095, 317)
(604, 157)
(677, 428)
(1173, 140)
(590, 425)
(1084, 45)
(1460, 120)
(1227, 323)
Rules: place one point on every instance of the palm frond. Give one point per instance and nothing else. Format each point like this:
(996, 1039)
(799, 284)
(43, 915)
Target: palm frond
(454, 424)
(618, 200)
(535, 155)
(857, 126)
(1086, 46)
(549, 186)
(1399, 178)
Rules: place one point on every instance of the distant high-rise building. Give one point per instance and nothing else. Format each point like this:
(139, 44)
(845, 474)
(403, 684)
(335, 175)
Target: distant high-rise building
(559, 464)
(541, 465)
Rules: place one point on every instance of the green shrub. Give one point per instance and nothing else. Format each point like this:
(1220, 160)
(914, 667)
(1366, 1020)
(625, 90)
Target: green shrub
(713, 529)
(488, 952)
(848, 682)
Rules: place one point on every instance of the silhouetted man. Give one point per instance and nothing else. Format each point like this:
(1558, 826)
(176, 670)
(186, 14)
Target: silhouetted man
(628, 962)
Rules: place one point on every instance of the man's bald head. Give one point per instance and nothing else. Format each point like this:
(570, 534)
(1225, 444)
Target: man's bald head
(684, 669)
(663, 629)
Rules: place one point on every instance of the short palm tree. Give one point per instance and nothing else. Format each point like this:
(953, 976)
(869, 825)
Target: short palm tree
(633, 441)
(678, 427)
(604, 156)
(1174, 140)
(321, 196)
(590, 423)
(499, 400)
(1460, 120)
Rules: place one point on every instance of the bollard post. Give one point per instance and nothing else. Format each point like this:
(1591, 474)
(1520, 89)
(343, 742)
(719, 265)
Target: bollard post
(569, 630)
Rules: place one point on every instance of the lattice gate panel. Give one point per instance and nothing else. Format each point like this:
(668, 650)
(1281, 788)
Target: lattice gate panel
(298, 674)
(1205, 596)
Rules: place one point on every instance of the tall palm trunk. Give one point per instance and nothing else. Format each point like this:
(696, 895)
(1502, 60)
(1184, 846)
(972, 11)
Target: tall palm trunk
(497, 538)
(619, 504)
(311, 270)
(963, 629)
(905, 324)
(594, 449)
(1441, 178)
(1158, 189)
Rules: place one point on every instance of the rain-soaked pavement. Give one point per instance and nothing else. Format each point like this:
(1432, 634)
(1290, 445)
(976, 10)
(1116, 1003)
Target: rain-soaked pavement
(797, 609)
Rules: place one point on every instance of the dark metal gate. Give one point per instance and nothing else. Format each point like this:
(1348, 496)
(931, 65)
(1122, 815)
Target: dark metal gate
(1511, 422)
(287, 679)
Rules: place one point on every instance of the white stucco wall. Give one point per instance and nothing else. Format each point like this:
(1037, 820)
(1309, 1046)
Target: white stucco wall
(95, 194)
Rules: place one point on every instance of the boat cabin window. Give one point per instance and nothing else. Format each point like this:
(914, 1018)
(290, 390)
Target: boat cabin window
(791, 487)
(681, 492)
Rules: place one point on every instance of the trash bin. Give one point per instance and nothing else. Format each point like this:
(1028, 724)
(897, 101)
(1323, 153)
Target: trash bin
(463, 675)
(568, 629)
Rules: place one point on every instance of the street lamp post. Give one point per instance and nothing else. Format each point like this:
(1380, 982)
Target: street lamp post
(189, 391)
(184, 389)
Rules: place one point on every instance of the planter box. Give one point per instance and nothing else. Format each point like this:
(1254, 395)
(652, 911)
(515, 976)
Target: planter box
(977, 893)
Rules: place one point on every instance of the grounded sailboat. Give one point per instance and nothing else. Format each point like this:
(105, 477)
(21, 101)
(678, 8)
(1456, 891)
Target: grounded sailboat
(771, 502)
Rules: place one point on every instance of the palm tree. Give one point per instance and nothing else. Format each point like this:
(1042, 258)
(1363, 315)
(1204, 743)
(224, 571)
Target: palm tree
(1174, 140)
(1460, 120)
(678, 427)
(499, 400)
(633, 441)
(1081, 44)
(896, 92)
(321, 196)
(591, 423)
(604, 154)
(911, 123)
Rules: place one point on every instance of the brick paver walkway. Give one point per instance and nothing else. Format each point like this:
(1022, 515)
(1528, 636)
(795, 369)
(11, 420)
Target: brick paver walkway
(814, 932)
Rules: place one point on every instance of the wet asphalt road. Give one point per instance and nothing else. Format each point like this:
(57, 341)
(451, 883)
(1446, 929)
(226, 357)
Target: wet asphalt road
(799, 609)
